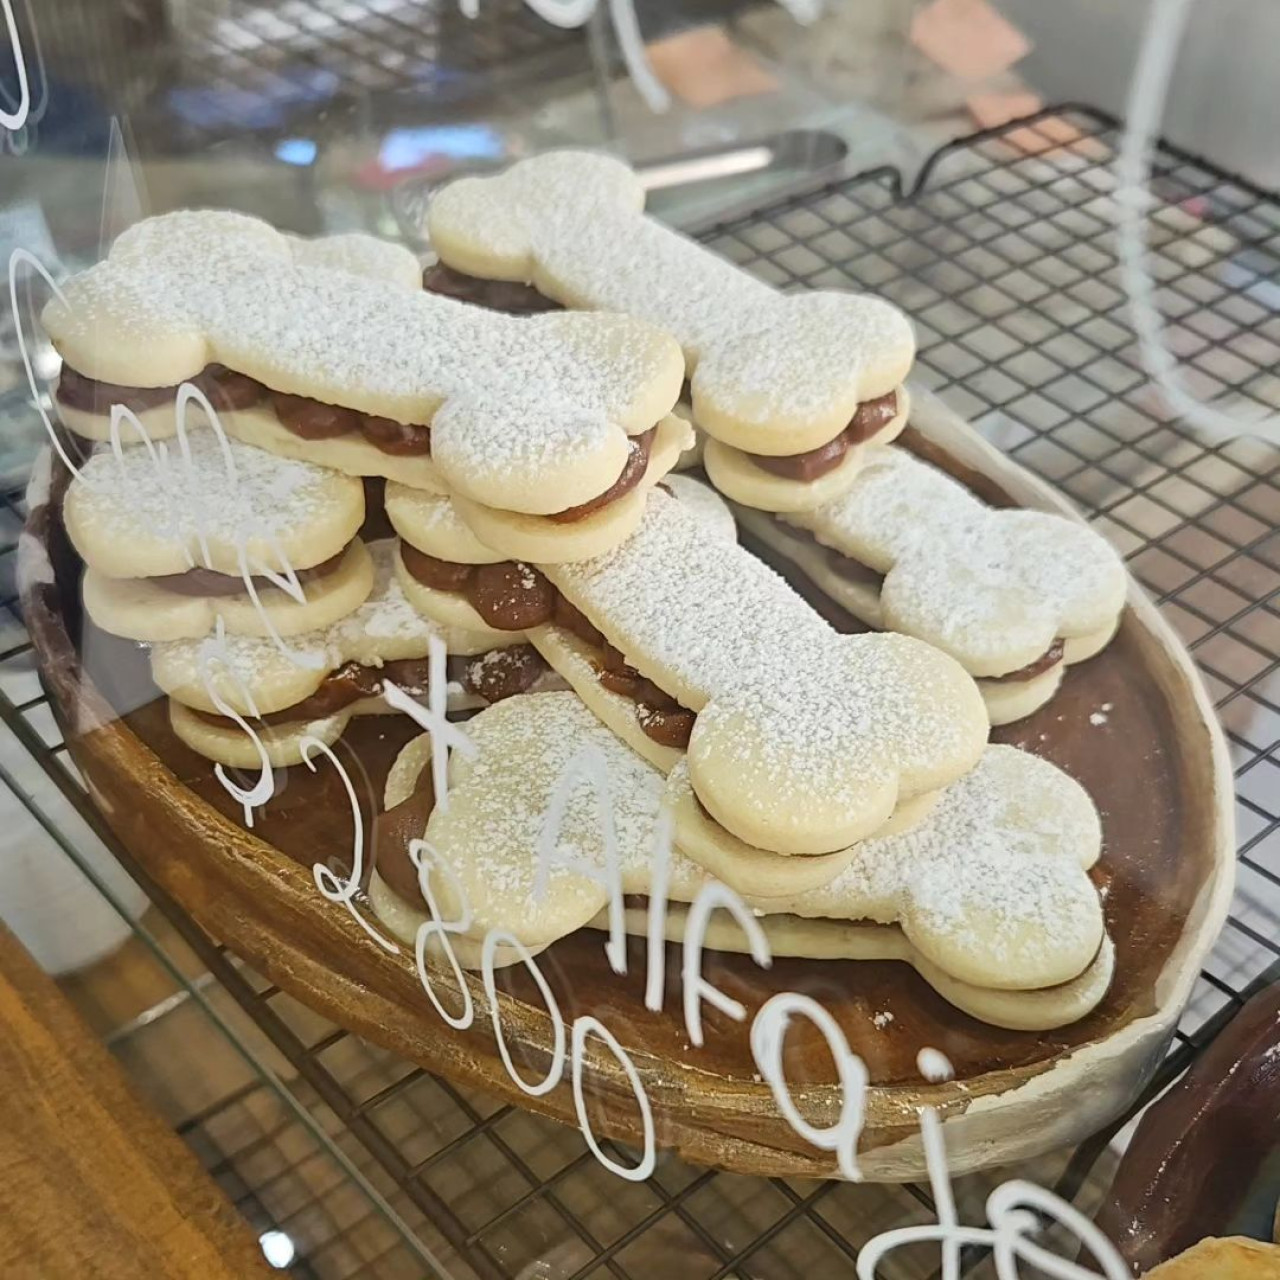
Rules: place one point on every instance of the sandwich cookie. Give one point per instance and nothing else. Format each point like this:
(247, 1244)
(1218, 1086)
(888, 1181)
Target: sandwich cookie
(1027, 912)
(287, 699)
(799, 741)
(548, 429)
(788, 388)
(1014, 596)
(454, 579)
(171, 544)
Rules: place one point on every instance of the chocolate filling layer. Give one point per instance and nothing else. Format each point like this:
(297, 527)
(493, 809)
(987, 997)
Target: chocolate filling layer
(501, 673)
(497, 295)
(514, 597)
(227, 390)
(633, 470)
(871, 418)
(1049, 658)
(209, 582)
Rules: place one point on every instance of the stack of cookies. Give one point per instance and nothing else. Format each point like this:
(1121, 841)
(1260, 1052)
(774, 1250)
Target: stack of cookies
(799, 397)
(524, 412)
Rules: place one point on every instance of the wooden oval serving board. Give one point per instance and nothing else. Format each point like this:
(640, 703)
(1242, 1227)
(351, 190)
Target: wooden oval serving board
(1157, 768)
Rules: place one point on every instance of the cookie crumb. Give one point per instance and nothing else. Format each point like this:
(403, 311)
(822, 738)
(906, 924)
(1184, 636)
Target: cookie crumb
(882, 1020)
(1099, 717)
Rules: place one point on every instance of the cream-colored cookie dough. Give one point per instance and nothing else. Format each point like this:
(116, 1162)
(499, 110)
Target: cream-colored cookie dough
(527, 414)
(705, 503)
(139, 610)
(692, 456)
(741, 480)
(230, 745)
(992, 887)
(259, 426)
(429, 522)
(227, 743)
(451, 609)
(805, 740)
(986, 895)
(540, 540)
(251, 674)
(1009, 701)
(1042, 1010)
(131, 517)
(771, 373)
(993, 587)
(752, 872)
(574, 662)
(489, 834)
(351, 454)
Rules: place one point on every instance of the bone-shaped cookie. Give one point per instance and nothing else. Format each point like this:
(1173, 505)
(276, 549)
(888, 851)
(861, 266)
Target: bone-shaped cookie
(805, 741)
(994, 587)
(255, 677)
(1027, 911)
(771, 374)
(137, 519)
(529, 417)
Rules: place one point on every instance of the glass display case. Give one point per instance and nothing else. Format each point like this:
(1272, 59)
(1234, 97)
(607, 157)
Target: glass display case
(469, 969)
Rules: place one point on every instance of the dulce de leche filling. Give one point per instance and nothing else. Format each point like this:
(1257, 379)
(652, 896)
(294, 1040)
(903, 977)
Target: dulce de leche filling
(871, 417)
(209, 582)
(498, 674)
(227, 391)
(512, 596)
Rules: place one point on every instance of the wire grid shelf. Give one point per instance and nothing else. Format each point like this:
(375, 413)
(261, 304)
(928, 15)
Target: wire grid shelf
(1002, 253)
(253, 64)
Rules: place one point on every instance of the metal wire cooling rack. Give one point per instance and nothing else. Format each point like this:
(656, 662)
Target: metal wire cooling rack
(248, 66)
(1002, 252)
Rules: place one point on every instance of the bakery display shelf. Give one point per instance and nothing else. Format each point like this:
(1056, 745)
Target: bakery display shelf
(1003, 255)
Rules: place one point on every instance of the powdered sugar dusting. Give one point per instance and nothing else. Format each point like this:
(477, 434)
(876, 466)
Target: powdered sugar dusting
(709, 622)
(134, 496)
(996, 871)
(992, 587)
(385, 627)
(288, 318)
(574, 222)
(498, 809)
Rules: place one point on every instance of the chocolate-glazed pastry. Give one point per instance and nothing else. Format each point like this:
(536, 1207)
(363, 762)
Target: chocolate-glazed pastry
(1196, 1152)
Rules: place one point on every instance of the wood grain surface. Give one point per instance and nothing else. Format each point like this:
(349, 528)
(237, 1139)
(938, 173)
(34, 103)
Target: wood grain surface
(1158, 771)
(92, 1183)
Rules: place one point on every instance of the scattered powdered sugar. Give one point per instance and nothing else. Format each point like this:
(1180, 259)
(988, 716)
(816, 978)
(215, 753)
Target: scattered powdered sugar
(997, 869)
(386, 614)
(131, 495)
(702, 609)
(278, 310)
(384, 627)
(882, 1020)
(710, 623)
(579, 217)
(499, 805)
(993, 587)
